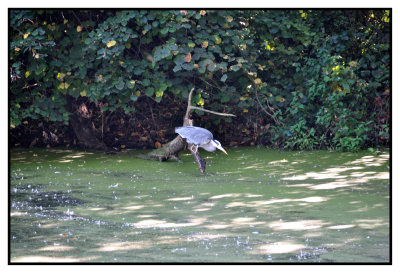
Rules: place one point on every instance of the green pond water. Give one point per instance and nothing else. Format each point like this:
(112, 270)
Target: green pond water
(253, 206)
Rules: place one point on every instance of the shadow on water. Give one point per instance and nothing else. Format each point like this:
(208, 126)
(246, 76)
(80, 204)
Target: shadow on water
(256, 205)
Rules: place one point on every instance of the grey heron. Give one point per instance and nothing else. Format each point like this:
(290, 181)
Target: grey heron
(199, 137)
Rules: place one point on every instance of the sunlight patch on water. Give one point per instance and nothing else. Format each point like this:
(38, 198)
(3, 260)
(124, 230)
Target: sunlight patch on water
(331, 173)
(207, 236)
(225, 195)
(65, 161)
(246, 221)
(137, 207)
(278, 161)
(341, 226)
(18, 213)
(96, 209)
(370, 160)
(299, 185)
(217, 226)
(371, 223)
(350, 182)
(58, 248)
(297, 225)
(181, 198)
(278, 248)
(311, 199)
(50, 259)
(124, 246)
(153, 223)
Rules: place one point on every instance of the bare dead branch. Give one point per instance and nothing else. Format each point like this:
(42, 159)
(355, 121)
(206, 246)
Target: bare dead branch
(212, 112)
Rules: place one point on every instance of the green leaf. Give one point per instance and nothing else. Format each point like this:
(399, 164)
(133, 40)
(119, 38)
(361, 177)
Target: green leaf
(211, 67)
(164, 31)
(149, 91)
(177, 68)
(225, 98)
(146, 82)
(224, 77)
(187, 66)
(163, 86)
(235, 67)
(179, 59)
(120, 85)
(138, 71)
(130, 84)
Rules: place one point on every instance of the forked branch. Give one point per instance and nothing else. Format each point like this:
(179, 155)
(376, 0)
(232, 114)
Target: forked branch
(172, 148)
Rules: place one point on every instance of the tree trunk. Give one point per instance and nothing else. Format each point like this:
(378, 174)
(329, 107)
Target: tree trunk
(172, 148)
(169, 150)
(83, 127)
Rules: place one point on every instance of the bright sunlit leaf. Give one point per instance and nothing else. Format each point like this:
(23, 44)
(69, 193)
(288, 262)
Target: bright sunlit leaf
(79, 28)
(159, 93)
(200, 102)
(257, 81)
(63, 85)
(60, 76)
(188, 57)
(204, 44)
(111, 43)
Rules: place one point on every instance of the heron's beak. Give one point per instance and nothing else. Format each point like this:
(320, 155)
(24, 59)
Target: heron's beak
(222, 149)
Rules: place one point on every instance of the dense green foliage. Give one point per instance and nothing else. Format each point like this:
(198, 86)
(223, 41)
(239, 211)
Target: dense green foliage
(295, 78)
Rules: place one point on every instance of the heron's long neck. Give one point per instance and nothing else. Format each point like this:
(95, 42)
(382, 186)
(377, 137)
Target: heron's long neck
(209, 147)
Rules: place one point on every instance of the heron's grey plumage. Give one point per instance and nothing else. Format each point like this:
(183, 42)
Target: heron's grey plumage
(200, 137)
(194, 135)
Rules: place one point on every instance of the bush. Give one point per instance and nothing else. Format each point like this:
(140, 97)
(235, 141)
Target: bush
(297, 79)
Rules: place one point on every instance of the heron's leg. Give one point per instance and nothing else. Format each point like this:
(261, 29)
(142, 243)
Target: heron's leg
(194, 148)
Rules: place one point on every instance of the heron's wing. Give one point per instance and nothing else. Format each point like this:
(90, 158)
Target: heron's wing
(194, 135)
